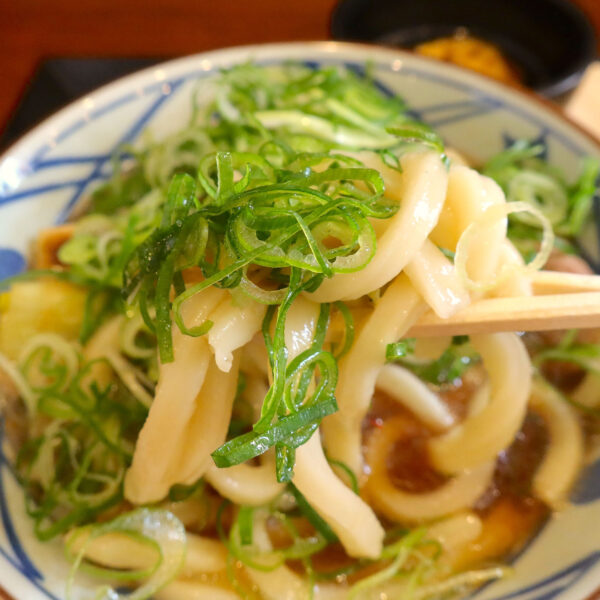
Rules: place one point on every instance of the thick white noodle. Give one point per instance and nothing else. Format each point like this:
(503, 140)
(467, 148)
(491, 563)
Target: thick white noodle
(105, 339)
(436, 279)
(235, 323)
(481, 436)
(160, 440)
(121, 551)
(194, 590)
(420, 190)
(115, 551)
(350, 517)
(347, 514)
(246, 484)
(207, 427)
(204, 555)
(406, 388)
(469, 196)
(105, 343)
(203, 424)
(255, 360)
(517, 283)
(300, 325)
(480, 229)
(255, 391)
(192, 511)
(456, 532)
(587, 393)
(458, 493)
(397, 310)
(479, 400)
(564, 455)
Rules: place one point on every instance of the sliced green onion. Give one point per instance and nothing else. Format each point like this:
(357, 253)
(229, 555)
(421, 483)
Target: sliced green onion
(343, 135)
(413, 131)
(253, 444)
(400, 349)
(401, 551)
(245, 521)
(159, 528)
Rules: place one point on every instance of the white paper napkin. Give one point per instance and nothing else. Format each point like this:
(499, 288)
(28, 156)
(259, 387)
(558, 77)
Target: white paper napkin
(584, 104)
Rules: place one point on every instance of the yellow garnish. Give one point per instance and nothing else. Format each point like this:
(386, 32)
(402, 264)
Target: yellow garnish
(471, 53)
(4, 302)
(42, 306)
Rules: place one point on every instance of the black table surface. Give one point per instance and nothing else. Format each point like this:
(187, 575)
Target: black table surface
(59, 81)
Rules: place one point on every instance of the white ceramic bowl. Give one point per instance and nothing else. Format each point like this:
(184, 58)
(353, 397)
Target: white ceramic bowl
(51, 168)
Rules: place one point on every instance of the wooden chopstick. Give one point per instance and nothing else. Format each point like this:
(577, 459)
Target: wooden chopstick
(555, 282)
(525, 313)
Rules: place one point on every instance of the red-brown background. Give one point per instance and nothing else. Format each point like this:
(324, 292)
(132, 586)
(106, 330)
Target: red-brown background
(31, 30)
(34, 29)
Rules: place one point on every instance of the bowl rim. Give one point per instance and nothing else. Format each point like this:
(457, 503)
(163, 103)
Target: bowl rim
(330, 47)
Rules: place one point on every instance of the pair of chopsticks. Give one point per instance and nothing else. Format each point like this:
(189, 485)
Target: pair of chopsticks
(560, 301)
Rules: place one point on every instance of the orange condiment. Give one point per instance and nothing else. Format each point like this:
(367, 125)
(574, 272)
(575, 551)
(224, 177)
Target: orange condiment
(472, 53)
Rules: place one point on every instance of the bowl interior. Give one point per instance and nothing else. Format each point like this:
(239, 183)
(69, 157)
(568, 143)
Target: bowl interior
(57, 164)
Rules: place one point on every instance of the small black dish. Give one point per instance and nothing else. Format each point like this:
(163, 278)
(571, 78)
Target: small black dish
(550, 40)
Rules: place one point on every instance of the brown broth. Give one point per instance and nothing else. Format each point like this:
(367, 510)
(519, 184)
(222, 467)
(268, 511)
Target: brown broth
(409, 467)
(509, 512)
(516, 466)
(507, 526)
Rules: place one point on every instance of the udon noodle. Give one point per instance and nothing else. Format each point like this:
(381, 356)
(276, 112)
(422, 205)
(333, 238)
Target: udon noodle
(207, 381)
